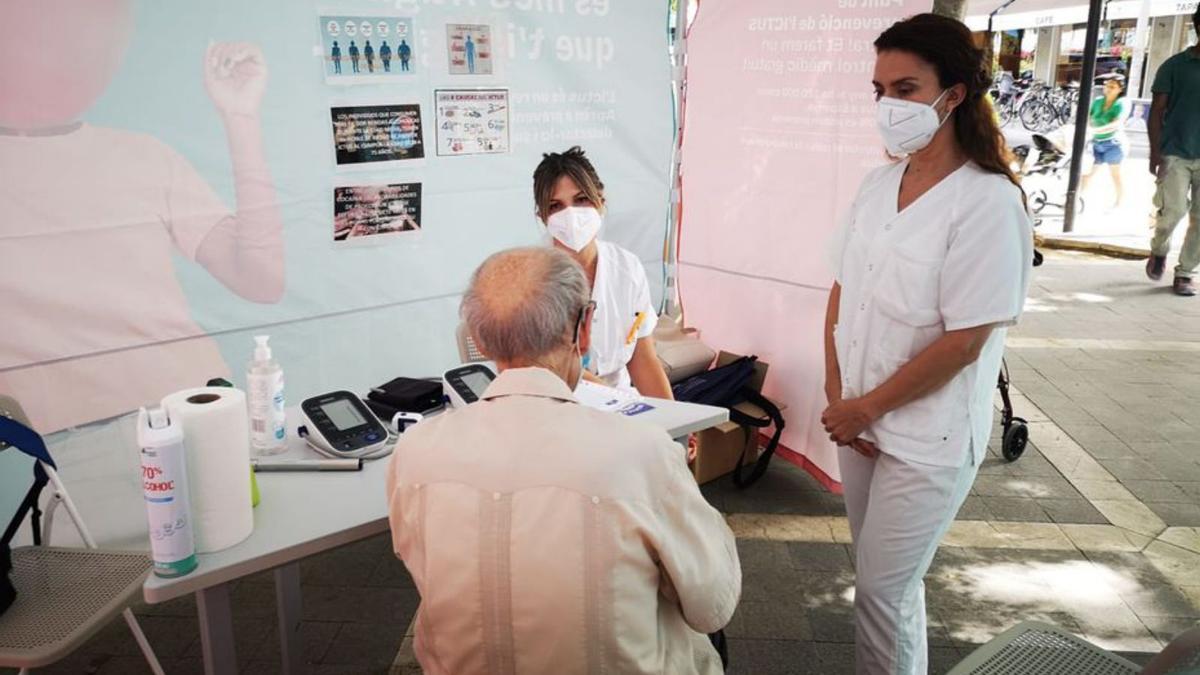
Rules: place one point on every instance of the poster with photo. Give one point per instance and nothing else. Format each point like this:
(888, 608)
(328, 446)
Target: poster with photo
(469, 48)
(367, 135)
(471, 121)
(365, 49)
(361, 212)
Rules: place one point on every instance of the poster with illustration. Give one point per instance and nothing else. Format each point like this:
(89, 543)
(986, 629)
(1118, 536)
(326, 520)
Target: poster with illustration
(469, 48)
(367, 212)
(370, 135)
(366, 49)
(471, 121)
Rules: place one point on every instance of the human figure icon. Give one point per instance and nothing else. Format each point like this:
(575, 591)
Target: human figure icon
(369, 53)
(385, 55)
(405, 53)
(470, 55)
(354, 55)
(335, 54)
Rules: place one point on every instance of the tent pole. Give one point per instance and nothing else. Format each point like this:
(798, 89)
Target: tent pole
(1081, 113)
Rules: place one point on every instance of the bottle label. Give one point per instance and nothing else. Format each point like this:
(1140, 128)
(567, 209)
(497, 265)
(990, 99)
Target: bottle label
(165, 489)
(267, 416)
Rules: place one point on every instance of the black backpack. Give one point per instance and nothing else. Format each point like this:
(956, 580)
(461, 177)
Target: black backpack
(26, 440)
(726, 386)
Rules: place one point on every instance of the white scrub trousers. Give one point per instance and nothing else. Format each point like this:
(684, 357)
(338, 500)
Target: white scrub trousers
(898, 510)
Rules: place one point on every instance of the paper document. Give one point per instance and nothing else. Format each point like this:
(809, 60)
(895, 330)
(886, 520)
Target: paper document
(602, 397)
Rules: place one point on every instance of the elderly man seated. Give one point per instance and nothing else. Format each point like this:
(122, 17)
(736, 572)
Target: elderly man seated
(543, 536)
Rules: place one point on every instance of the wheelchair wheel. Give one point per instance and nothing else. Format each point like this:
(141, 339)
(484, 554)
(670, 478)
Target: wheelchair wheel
(1038, 200)
(1016, 436)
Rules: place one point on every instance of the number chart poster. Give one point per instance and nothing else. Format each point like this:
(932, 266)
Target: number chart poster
(471, 121)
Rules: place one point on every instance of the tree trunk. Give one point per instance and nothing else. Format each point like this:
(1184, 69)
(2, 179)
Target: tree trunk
(955, 9)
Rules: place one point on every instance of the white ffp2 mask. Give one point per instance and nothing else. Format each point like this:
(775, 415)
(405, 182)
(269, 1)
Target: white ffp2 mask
(574, 226)
(907, 126)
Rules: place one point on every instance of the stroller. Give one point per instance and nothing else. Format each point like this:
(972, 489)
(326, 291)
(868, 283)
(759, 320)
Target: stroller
(1051, 161)
(1016, 429)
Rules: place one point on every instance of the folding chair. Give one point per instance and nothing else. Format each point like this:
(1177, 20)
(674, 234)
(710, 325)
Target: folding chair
(64, 595)
(1035, 648)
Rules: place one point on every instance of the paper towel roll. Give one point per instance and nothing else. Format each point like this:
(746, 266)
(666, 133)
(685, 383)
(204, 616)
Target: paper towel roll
(216, 437)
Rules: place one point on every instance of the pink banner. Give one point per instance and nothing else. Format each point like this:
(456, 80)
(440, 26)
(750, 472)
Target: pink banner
(778, 132)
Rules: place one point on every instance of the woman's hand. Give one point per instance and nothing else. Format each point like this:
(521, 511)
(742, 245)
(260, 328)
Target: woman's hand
(845, 420)
(865, 448)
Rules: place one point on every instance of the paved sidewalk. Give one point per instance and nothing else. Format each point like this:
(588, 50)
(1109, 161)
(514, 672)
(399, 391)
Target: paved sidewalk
(1096, 528)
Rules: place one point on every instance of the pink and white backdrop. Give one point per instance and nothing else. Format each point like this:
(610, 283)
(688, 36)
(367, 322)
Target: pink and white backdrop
(778, 132)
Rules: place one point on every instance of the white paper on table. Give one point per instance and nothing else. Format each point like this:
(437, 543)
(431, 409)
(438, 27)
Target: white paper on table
(604, 398)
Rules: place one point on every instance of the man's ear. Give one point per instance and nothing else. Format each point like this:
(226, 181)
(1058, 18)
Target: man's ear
(585, 331)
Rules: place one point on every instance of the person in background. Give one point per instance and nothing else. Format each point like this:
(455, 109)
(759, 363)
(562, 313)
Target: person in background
(569, 198)
(1174, 131)
(931, 264)
(545, 536)
(1106, 121)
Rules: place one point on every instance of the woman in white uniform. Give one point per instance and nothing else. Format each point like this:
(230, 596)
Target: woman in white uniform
(932, 263)
(570, 201)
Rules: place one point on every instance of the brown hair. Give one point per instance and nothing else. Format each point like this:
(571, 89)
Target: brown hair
(573, 164)
(948, 46)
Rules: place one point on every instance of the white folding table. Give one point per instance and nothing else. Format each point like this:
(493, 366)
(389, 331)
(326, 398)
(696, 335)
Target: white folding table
(305, 513)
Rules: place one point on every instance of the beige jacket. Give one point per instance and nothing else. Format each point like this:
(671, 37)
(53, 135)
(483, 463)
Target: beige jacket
(546, 537)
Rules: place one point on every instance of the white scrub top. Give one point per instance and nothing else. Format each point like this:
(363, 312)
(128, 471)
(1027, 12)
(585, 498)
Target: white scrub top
(958, 257)
(621, 292)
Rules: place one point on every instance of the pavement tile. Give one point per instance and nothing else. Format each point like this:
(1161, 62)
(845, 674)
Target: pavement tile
(1104, 538)
(781, 527)
(820, 556)
(1111, 490)
(1132, 469)
(1131, 515)
(1076, 510)
(1157, 491)
(366, 645)
(1184, 537)
(770, 621)
(1177, 515)
(1019, 509)
(771, 657)
(1178, 566)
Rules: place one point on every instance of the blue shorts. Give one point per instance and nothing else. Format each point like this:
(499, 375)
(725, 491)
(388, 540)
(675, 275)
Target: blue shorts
(1108, 151)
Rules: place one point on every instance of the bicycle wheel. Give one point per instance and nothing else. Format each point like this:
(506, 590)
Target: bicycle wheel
(1029, 112)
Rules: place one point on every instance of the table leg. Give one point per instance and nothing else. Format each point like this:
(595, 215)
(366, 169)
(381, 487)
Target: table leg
(216, 630)
(287, 604)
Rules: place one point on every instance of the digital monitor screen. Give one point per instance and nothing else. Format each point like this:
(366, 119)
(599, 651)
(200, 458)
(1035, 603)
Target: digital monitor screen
(343, 414)
(476, 381)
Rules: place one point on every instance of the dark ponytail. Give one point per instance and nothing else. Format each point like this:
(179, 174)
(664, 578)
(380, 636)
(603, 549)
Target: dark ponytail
(948, 46)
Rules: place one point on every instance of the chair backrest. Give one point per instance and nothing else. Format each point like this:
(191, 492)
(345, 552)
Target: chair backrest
(468, 352)
(1181, 655)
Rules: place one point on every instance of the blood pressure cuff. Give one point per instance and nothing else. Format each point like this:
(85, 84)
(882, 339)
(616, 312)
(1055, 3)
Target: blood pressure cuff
(408, 395)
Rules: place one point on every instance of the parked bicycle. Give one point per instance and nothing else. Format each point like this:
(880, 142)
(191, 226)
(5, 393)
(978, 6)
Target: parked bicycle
(1046, 108)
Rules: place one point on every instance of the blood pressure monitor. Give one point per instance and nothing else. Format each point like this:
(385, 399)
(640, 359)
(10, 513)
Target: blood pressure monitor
(466, 384)
(339, 424)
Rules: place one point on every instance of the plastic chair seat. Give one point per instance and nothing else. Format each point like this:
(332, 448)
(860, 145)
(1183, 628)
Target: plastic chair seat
(1035, 648)
(64, 596)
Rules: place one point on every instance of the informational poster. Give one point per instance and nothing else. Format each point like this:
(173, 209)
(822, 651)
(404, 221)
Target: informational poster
(365, 49)
(373, 134)
(471, 121)
(361, 212)
(469, 48)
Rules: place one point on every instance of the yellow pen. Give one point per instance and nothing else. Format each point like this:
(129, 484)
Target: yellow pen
(637, 323)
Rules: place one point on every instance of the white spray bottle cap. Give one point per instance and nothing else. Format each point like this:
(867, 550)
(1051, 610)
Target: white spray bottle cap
(262, 352)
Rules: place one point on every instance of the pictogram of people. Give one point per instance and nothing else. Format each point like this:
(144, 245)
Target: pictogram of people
(335, 53)
(354, 55)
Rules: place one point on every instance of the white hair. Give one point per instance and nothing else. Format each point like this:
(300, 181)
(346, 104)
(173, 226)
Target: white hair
(522, 303)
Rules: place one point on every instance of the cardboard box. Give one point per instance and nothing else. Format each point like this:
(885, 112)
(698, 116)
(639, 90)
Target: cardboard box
(718, 448)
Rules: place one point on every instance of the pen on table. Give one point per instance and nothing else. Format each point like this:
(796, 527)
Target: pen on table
(637, 323)
(354, 464)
